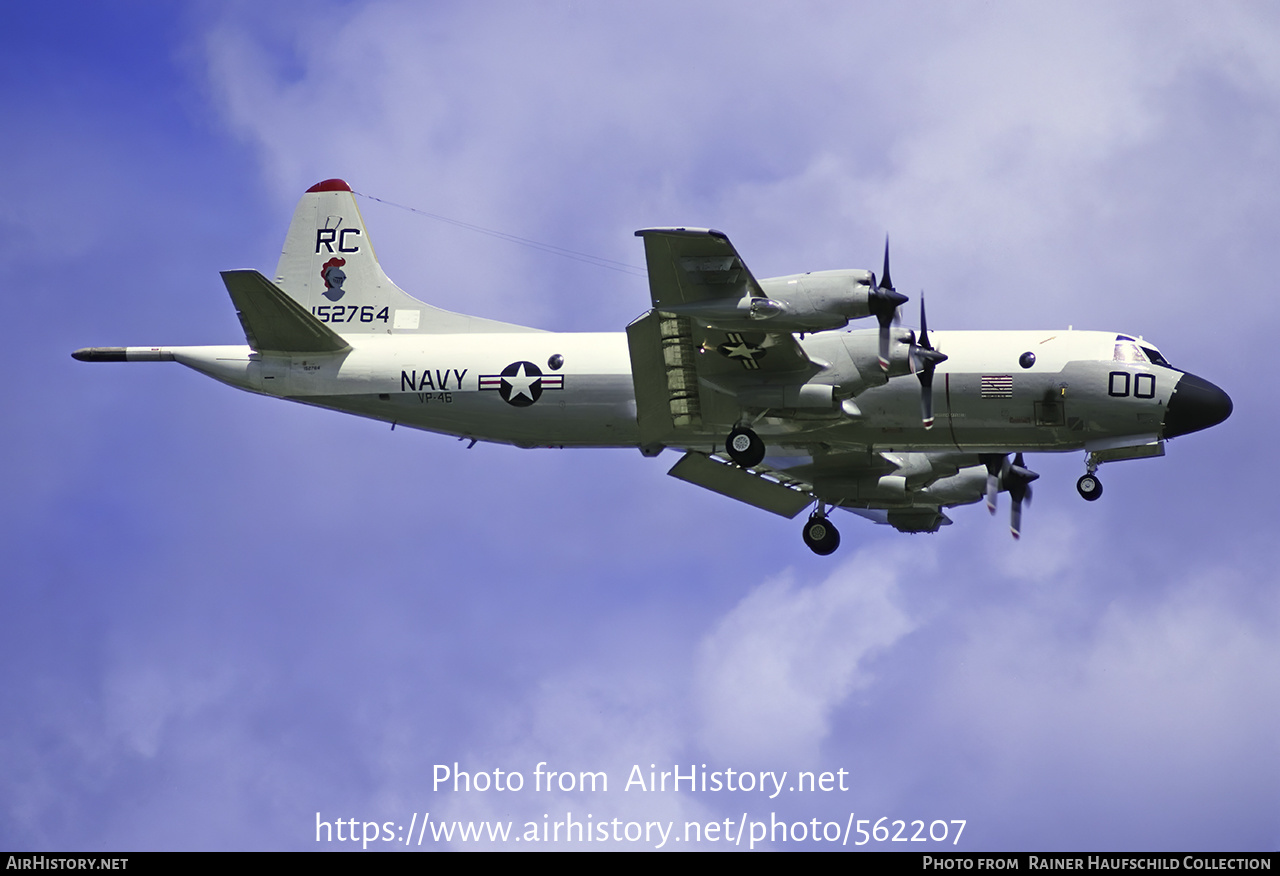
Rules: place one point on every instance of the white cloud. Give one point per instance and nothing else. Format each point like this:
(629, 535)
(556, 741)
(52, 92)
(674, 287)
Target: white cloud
(1003, 145)
(772, 671)
(1133, 714)
(579, 724)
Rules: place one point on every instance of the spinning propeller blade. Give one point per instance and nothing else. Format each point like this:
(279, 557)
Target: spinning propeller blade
(1018, 480)
(994, 463)
(885, 301)
(924, 359)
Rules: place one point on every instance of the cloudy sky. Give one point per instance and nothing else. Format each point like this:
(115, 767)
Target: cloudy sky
(224, 614)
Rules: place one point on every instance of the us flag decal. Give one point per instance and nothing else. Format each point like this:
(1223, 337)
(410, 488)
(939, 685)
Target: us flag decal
(997, 386)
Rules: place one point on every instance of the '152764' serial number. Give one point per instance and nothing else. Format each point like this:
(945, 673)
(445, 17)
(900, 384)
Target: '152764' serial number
(349, 313)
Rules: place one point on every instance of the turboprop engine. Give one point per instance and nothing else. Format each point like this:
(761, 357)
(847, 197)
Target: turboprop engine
(813, 302)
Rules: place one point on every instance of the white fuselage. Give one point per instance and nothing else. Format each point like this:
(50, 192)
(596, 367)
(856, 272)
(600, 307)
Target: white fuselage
(575, 390)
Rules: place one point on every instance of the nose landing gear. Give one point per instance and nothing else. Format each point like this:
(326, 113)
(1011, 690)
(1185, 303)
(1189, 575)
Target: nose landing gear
(1089, 487)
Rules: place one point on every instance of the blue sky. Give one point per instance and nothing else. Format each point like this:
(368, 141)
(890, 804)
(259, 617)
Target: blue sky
(224, 614)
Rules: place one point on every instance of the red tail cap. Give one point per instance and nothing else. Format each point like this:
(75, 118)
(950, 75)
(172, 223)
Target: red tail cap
(330, 185)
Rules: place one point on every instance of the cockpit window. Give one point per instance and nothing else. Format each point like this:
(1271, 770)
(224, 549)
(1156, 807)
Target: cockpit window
(1155, 357)
(1137, 350)
(1128, 351)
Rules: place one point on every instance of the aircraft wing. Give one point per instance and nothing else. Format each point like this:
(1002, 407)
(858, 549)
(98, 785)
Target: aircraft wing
(692, 265)
(694, 272)
(858, 482)
(687, 372)
(761, 486)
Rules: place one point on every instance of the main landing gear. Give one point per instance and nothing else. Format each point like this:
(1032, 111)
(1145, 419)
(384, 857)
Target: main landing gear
(745, 447)
(821, 537)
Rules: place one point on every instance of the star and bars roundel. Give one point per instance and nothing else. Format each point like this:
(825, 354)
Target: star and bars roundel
(739, 349)
(521, 383)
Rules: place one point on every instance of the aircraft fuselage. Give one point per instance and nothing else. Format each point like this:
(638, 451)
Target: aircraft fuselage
(575, 390)
(773, 400)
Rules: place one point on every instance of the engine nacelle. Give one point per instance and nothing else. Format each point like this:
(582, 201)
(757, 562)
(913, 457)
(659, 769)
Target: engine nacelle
(812, 302)
(790, 395)
(823, 298)
(966, 486)
(863, 348)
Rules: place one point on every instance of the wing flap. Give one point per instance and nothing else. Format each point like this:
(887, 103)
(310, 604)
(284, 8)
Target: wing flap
(736, 483)
(273, 322)
(665, 376)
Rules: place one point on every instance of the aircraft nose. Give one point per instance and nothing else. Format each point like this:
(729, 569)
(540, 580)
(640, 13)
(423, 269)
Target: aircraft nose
(1195, 404)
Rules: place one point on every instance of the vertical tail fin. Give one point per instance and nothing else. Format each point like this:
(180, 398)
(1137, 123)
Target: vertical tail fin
(329, 267)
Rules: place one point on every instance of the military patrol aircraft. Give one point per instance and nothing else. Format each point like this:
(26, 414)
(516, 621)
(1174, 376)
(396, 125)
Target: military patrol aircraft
(772, 401)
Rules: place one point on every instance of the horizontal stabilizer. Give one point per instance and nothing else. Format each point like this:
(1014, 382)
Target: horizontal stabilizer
(274, 322)
(737, 483)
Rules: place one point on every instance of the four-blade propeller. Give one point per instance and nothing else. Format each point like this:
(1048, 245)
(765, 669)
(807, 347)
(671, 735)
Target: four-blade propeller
(1018, 482)
(924, 359)
(884, 303)
(1014, 477)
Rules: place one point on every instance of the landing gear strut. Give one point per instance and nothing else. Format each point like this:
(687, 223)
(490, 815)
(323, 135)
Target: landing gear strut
(745, 447)
(821, 537)
(1089, 487)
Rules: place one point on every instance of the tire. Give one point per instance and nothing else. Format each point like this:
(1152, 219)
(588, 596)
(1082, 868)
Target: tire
(821, 537)
(1089, 488)
(745, 447)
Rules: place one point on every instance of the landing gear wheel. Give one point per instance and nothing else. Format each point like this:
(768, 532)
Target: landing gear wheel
(745, 447)
(821, 537)
(1089, 487)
